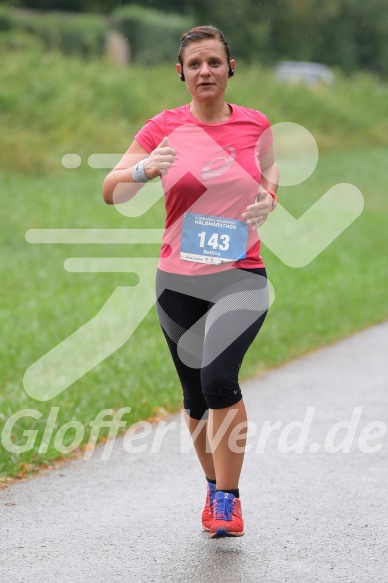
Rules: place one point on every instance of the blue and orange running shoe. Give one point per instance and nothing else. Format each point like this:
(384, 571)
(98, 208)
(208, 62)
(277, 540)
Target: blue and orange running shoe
(228, 520)
(207, 513)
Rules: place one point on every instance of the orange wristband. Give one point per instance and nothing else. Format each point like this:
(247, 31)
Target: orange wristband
(275, 199)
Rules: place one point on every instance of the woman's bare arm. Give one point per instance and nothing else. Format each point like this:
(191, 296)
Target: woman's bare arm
(119, 186)
(257, 213)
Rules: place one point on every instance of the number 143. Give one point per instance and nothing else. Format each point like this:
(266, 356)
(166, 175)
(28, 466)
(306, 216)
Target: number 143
(215, 241)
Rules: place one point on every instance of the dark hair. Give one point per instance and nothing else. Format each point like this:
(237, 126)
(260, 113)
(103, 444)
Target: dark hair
(201, 33)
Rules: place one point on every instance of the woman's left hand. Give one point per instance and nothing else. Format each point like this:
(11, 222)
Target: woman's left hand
(258, 212)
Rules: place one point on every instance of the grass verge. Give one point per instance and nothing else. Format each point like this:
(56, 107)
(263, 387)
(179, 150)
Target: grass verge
(340, 292)
(94, 107)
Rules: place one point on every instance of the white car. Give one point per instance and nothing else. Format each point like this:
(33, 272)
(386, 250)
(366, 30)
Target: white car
(304, 72)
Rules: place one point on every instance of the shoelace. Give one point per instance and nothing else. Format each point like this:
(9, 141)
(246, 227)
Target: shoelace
(224, 509)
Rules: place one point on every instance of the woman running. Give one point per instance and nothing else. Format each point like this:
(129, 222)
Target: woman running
(216, 164)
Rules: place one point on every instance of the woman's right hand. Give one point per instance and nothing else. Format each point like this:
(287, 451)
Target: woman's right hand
(160, 160)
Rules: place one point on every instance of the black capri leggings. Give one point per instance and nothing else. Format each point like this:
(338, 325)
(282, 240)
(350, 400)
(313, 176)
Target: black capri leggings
(209, 322)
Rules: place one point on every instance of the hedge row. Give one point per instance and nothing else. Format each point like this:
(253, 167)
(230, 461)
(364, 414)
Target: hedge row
(153, 36)
(82, 34)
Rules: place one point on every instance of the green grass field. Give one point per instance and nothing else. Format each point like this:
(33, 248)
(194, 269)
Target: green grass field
(97, 108)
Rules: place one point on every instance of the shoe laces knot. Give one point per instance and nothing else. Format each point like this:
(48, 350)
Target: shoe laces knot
(224, 508)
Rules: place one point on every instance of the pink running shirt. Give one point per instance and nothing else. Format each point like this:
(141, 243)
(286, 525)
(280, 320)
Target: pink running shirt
(216, 173)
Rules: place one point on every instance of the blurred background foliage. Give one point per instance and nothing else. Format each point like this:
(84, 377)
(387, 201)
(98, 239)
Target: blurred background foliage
(348, 34)
(60, 94)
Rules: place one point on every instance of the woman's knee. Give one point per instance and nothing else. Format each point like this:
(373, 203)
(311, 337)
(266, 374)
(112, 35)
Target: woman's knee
(197, 409)
(219, 387)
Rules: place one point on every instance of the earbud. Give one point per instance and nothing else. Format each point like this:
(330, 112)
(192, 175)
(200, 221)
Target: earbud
(182, 76)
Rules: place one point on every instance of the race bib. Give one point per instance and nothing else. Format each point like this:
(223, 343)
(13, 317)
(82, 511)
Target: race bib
(208, 239)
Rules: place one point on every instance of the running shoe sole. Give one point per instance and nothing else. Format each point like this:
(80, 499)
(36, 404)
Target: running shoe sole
(222, 533)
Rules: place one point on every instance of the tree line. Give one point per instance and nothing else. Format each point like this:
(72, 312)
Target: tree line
(349, 34)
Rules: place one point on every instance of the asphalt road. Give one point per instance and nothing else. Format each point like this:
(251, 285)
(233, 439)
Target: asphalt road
(316, 515)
